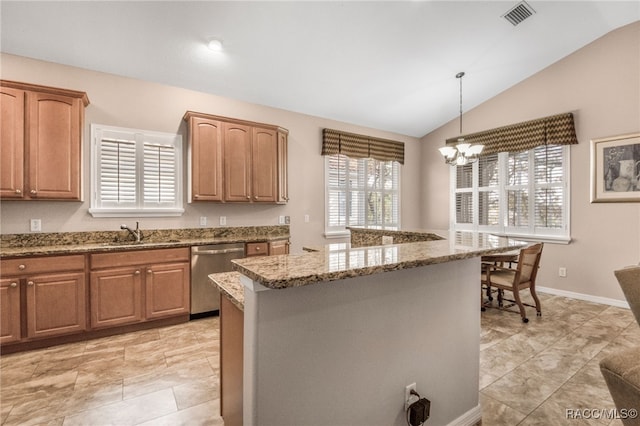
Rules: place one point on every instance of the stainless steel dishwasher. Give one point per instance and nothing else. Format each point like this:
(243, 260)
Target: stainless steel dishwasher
(205, 260)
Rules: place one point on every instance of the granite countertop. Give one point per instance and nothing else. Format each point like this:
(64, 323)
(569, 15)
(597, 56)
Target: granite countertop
(339, 261)
(229, 285)
(60, 243)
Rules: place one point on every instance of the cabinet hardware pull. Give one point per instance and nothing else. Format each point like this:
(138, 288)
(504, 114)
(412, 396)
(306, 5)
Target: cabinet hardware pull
(22, 267)
(29, 282)
(33, 192)
(196, 196)
(248, 197)
(18, 191)
(137, 272)
(149, 271)
(14, 285)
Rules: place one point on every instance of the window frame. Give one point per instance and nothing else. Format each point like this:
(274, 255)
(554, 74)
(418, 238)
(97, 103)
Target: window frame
(140, 207)
(532, 232)
(340, 231)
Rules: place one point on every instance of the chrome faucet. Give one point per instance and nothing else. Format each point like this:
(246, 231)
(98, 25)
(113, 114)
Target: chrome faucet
(137, 234)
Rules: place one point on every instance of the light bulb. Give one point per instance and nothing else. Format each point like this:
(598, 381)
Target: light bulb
(215, 45)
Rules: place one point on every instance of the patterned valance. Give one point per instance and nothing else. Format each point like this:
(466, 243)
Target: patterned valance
(555, 130)
(361, 146)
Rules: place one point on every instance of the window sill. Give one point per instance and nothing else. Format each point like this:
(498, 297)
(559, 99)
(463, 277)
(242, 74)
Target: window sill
(136, 213)
(552, 239)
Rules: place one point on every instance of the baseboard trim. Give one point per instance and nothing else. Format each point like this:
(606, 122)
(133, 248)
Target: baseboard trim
(470, 418)
(585, 297)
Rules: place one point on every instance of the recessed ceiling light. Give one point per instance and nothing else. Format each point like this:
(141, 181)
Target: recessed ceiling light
(215, 45)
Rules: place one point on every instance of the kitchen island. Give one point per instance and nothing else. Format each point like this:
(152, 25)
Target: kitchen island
(334, 336)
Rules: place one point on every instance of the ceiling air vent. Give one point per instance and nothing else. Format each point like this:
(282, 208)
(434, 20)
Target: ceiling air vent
(519, 13)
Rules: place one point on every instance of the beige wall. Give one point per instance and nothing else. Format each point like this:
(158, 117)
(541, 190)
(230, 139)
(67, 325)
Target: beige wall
(600, 84)
(125, 102)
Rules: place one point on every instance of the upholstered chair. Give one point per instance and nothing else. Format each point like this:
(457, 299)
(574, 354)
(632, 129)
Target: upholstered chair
(621, 370)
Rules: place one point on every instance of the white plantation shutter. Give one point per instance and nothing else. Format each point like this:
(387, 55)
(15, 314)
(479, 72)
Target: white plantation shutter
(135, 173)
(361, 192)
(521, 193)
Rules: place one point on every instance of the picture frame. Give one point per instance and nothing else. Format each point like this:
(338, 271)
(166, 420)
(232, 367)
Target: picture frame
(615, 169)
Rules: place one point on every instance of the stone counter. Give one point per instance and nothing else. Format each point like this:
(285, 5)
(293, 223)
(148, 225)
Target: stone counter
(340, 261)
(60, 243)
(363, 237)
(230, 287)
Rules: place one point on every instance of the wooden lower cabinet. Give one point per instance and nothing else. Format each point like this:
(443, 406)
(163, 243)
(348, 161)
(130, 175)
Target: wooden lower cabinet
(137, 286)
(116, 297)
(42, 297)
(279, 247)
(231, 362)
(9, 310)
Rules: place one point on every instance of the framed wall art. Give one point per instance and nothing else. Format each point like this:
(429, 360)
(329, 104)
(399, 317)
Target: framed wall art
(615, 169)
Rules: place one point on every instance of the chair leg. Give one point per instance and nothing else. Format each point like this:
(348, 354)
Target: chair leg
(535, 298)
(516, 296)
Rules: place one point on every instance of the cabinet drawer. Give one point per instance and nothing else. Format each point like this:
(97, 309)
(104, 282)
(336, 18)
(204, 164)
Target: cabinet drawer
(34, 265)
(257, 249)
(138, 257)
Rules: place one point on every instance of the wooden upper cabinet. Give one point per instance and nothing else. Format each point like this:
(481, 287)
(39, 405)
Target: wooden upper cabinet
(41, 129)
(283, 168)
(205, 143)
(12, 149)
(264, 167)
(236, 160)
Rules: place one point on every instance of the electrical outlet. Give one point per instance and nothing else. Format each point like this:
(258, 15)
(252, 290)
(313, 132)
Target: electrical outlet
(287, 220)
(562, 272)
(306, 218)
(281, 220)
(223, 220)
(408, 398)
(35, 225)
(203, 221)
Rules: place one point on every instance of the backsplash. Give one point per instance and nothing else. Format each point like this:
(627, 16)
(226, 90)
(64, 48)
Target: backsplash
(150, 235)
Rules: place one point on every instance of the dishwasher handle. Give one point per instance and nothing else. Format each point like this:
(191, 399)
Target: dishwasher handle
(220, 251)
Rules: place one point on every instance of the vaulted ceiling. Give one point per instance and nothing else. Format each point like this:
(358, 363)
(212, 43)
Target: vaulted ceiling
(388, 65)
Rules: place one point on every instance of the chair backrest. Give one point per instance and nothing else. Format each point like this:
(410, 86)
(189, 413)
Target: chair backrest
(629, 280)
(528, 262)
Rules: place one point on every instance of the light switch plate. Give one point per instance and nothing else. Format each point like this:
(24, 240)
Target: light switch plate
(223, 220)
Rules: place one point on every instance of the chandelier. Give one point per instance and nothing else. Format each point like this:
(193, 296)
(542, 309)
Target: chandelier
(463, 153)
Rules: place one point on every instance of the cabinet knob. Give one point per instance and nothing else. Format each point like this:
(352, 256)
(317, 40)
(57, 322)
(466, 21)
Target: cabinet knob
(149, 271)
(18, 191)
(137, 272)
(257, 248)
(196, 196)
(248, 197)
(29, 283)
(14, 285)
(33, 192)
(22, 267)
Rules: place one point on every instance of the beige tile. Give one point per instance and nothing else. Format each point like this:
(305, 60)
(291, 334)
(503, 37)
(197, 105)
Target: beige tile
(521, 390)
(495, 413)
(205, 414)
(197, 391)
(40, 387)
(127, 412)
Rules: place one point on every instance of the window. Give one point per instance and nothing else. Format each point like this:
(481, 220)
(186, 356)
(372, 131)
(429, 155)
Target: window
(135, 173)
(523, 194)
(361, 192)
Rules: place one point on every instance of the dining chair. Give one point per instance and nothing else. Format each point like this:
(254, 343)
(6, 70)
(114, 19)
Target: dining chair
(514, 280)
(621, 370)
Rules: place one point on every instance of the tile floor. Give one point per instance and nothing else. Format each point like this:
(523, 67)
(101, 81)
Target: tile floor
(530, 374)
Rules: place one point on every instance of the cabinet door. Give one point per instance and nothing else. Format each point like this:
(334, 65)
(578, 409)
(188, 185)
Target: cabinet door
(116, 297)
(53, 146)
(56, 304)
(12, 143)
(283, 168)
(205, 137)
(264, 168)
(237, 162)
(278, 247)
(9, 310)
(167, 290)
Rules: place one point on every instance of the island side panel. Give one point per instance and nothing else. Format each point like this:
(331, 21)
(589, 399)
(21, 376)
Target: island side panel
(342, 352)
